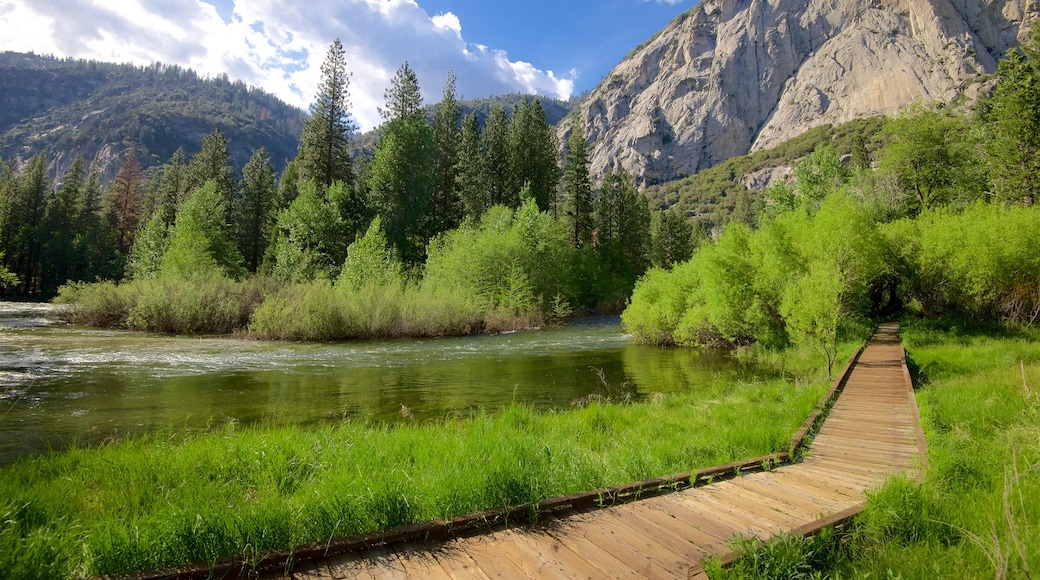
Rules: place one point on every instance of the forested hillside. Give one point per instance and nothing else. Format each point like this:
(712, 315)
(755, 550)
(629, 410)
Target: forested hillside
(98, 110)
(452, 224)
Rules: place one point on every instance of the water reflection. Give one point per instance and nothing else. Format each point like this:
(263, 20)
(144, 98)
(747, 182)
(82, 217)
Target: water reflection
(59, 383)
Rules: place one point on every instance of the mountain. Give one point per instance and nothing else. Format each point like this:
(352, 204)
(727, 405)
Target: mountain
(730, 77)
(68, 107)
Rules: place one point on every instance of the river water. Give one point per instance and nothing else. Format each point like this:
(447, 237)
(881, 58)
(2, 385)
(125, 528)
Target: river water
(60, 384)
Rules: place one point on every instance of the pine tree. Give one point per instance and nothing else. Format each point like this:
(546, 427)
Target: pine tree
(671, 239)
(28, 209)
(472, 176)
(577, 187)
(324, 142)
(400, 177)
(124, 201)
(447, 204)
(174, 188)
(533, 152)
(496, 159)
(213, 163)
(403, 98)
(63, 228)
(255, 214)
(623, 219)
(1012, 121)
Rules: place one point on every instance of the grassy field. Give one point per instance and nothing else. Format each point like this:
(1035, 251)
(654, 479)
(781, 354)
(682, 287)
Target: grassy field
(169, 498)
(977, 512)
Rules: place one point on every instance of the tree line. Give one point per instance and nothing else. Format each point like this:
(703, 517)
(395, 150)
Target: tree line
(426, 183)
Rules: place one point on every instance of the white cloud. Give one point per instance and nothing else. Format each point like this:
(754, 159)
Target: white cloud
(278, 44)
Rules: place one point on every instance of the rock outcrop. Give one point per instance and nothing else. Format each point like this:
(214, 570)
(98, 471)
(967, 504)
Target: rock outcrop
(733, 76)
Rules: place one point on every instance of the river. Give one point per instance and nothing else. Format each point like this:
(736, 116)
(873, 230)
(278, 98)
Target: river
(60, 383)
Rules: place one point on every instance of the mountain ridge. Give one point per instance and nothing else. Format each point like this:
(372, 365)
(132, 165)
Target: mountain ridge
(729, 77)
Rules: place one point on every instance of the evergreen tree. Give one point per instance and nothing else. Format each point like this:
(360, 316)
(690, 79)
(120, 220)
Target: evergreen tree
(577, 188)
(324, 142)
(213, 163)
(671, 239)
(309, 240)
(403, 97)
(255, 214)
(447, 203)
(63, 228)
(28, 208)
(97, 244)
(174, 188)
(496, 159)
(1012, 121)
(471, 176)
(400, 177)
(124, 201)
(533, 153)
(146, 257)
(623, 220)
(198, 242)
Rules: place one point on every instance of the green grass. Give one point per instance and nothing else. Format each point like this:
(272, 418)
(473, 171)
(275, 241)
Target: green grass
(169, 498)
(976, 514)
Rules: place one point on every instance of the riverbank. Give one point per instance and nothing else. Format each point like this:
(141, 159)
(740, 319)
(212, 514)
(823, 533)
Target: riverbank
(169, 498)
(974, 513)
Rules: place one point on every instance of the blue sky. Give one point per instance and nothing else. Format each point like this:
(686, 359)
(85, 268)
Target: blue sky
(533, 46)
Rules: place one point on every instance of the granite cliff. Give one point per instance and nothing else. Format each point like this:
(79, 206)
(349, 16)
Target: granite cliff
(730, 77)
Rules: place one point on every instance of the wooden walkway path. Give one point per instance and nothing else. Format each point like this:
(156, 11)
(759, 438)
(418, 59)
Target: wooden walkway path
(872, 432)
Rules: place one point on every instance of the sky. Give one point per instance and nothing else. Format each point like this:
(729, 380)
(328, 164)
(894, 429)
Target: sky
(547, 47)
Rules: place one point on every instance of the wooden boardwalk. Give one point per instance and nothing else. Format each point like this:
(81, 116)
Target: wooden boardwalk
(872, 432)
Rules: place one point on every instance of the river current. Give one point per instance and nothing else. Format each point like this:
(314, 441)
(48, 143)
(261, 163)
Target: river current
(60, 383)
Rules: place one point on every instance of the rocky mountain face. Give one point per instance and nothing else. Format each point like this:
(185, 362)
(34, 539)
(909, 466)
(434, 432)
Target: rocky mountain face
(733, 76)
(67, 107)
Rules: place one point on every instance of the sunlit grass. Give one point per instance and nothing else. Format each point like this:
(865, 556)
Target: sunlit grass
(976, 514)
(170, 498)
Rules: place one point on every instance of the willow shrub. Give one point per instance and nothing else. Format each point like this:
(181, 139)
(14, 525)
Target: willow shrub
(804, 277)
(518, 261)
(983, 262)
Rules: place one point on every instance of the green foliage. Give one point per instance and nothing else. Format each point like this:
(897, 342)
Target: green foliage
(671, 239)
(370, 260)
(576, 191)
(516, 260)
(983, 262)
(934, 156)
(309, 238)
(150, 245)
(400, 181)
(255, 211)
(802, 276)
(447, 210)
(1012, 122)
(198, 243)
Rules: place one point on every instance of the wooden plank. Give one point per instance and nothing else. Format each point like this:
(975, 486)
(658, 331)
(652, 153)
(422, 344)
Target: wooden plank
(787, 503)
(812, 502)
(738, 520)
(778, 514)
(483, 550)
(674, 554)
(568, 562)
(569, 535)
(687, 523)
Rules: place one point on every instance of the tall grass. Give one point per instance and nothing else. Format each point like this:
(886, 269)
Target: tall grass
(211, 304)
(976, 514)
(167, 498)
